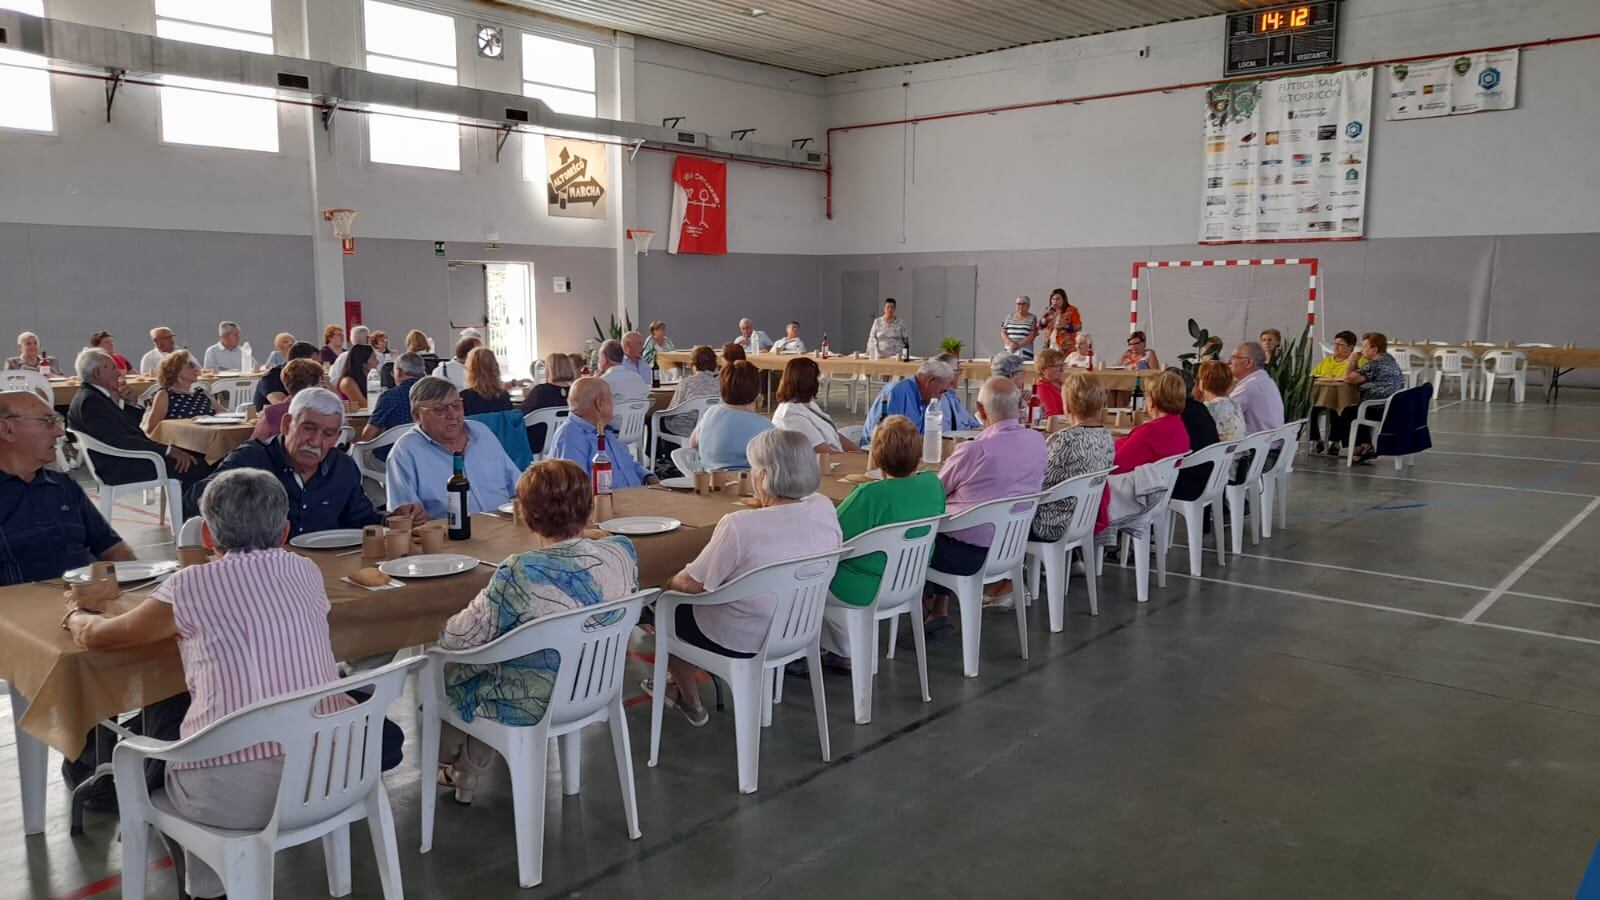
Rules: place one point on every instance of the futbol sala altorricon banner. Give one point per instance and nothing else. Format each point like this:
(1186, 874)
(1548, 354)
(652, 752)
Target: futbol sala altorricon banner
(699, 207)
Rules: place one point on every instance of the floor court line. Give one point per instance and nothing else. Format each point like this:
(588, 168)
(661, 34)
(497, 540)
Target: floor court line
(1531, 437)
(1495, 487)
(1570, 462)
(1522, 569)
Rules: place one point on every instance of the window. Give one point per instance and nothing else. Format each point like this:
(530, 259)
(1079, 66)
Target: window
(211, 113)
(412, 43)
(562, 75)
(24, 82)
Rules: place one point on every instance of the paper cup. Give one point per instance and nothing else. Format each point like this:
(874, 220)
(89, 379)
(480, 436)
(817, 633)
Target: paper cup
(399, 523)
(372, 543)
(702, 482)
(193, 556)
(747, 484)
(397, 544)
(430, 537)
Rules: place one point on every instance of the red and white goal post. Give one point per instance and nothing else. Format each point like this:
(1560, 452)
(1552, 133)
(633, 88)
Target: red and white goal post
(1311, 263)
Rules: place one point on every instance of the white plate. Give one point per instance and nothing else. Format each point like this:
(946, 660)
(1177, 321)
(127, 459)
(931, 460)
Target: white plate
(681, 483)
(641, 525)
(328, 540)
(963, 435)
(217, 420)
(127, 571)
(428, 565)
(509, 509)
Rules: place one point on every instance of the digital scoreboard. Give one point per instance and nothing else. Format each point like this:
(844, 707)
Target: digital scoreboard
(1282, 38)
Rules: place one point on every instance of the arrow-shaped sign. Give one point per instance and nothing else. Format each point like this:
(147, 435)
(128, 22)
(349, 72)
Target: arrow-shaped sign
(586, 191)
(571, 170)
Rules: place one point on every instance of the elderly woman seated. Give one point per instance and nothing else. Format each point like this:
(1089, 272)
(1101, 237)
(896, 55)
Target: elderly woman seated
(702, 382)
(563, 571)
(180, 397)
(1161, 436)
(798, 411)
(793, 521)
(238, 648)
(725, 430)
(1082, 447)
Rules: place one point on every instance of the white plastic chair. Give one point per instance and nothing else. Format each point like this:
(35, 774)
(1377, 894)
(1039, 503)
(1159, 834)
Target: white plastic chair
(170, 490)
(1413, 364)
(1371, 415)
(551, 418)
(1220, 458)
(627, 417)
(148, 395)
(592, 642)
(1275, 475)
(905, 547)
(1247, 493)
(1086, 491)
(1454, 362)
(1505, 365)
(1142, 529)
(1010, 518)
(688, 407)
(801, 589)
(28, 380)
(1547, 371)
(687, 459)
(331, 778)
(189, 534)
(231, 392)
(363, 453)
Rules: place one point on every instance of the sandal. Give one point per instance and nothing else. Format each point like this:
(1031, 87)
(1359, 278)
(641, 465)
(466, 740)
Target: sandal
(697, 717)
(464, 783)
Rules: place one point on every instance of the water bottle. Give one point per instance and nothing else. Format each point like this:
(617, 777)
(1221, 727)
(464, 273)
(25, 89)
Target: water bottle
(247, 358)
(933, 431)
(374, 388)
(1035, 409)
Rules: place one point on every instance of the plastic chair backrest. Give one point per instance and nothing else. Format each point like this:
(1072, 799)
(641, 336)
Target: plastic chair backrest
(592, 642)
(1535, 344)
(692, 407)
(1410, 359)
(1452, 360)
(1403, 428)
(149, 392)
(1286, 438)
(801, 586)
(1219, 457)
(1505, 362)
(687, 459)
(362, 451)
(627, 417)
(28, 380)
(231, 388)
(1166, 470)
(189, 534)
(550, 417)
(906, 547)
(158, 469)
(1088, 490)
(1256, 445)
(539, 371)
(1011, 518)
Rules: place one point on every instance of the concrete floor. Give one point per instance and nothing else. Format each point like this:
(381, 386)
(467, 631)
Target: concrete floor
(1394, 697)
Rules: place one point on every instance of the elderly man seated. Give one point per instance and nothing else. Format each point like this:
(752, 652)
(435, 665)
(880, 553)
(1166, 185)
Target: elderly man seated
(423, 460)
(909, 397)
(99, 411)
(1253, 388)
(30, 357)
(49, 526)
(165, 342)
(751, 338)
(625, 383)
(633, 358)
(324, 485)
(225, 354)
(393, 408)
(578, 436)
(1006, 460)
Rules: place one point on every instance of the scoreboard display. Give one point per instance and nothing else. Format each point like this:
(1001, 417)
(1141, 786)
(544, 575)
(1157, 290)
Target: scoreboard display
(1282, 38)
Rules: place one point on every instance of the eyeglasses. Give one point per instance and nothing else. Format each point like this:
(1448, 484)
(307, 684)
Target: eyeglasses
(1237, 356)
(455, 407)
(55, 419)
(1135, 343)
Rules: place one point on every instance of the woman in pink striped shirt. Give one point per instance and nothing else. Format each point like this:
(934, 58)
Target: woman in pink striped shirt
(250, 626)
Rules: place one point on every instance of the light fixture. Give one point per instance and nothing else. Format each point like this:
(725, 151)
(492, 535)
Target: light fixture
(755, 13)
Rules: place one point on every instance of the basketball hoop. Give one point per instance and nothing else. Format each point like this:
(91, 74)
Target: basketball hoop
(641, 239)
(342, 220)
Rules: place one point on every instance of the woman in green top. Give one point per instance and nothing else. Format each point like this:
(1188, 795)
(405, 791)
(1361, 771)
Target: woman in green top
(903, 495)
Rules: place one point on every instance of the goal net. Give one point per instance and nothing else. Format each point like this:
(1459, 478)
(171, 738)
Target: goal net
(1233, 299)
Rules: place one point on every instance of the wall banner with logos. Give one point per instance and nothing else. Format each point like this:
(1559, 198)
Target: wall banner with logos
(1453, 85)
(1286, 159)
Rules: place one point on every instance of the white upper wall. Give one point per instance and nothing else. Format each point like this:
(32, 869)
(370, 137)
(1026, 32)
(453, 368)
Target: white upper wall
(1126, 171)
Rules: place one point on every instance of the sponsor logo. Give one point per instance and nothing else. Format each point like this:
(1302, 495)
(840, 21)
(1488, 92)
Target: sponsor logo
(1292, 136)
(1325, 157)
(1216, 146)
(1241, 182)
(1463, 65)
(1354, 192)
(1241, 212)
(1213, 229)
(1236, 228)
(1301, 159)
(1319, 226)
(1216, 200)
(1347, 205)
(1216, 212)
(1327, 132)
(1213, 182)
(1239, 198)
(1350, 160)
(1267, 228)
(1300, 178)
(1489, 79)
(1311, 208)
(1352, 175)
(1275, 161)
(1428, 88)
(1350, 226)
(1248, 138)
(1400, 71)
(1272, 138)
(1353, 130)
(1326, 176)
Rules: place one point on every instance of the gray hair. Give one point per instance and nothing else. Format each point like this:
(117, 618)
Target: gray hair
(744, 322)
(25, 335)
(936, 368)
(226, 326)
(318, 401)
(1258, 356)
(430, 389)
(1023, 298)
(1005, 364)
(246, 509)
(360, 334)
(91, 361)
(411, 363)
(611, 351)
(1000, 398)
(157, 330)
(788, 460)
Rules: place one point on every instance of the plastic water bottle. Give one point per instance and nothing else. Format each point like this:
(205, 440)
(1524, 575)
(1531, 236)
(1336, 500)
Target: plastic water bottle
(933, 431)
(247, 358)
(374, 388)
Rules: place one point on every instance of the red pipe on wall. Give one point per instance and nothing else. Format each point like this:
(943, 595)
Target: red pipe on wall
(1164, 89)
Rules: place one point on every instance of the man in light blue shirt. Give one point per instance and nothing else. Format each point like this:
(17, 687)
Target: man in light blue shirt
(578, 436)
(751, 338)
(633, 356)
(225, 355)
(909, 397)
(422, 461)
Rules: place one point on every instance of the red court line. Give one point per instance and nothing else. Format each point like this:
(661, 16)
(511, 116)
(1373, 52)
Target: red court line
(107, 883)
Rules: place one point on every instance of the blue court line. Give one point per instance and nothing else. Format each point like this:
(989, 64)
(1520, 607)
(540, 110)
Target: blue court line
(1589, 889)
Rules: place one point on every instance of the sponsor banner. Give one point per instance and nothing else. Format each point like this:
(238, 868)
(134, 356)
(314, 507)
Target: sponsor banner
(575, 178)
(699, 207)
(1453, 85)
(1287, 158)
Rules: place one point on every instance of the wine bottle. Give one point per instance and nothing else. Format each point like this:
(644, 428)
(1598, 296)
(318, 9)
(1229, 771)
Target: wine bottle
(600, 480)
(655, 373)
(1137, 405)
(457, 491)
(824, 345)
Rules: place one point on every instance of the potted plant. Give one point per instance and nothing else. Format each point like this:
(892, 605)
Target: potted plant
(1291, 372)
(951, 345)
(616, 329)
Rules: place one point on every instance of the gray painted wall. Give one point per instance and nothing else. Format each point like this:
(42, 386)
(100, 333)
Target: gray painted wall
(702, 298)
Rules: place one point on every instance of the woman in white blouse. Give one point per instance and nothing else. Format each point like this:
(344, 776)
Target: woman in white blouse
(798, 410)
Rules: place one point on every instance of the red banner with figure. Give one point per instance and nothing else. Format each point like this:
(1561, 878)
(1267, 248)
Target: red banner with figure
(699, 207)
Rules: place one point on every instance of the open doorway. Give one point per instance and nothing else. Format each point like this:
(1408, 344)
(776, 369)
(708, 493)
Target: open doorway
(500, 297)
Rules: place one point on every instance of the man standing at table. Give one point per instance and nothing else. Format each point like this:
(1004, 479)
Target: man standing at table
(633, 358)
(47, 525)
(1253, 388)
(324, 485)
(225, 355)
(909, 397)
(614, 370)
(422, 461)
(165, 342)
(752, 339)
(578, 436)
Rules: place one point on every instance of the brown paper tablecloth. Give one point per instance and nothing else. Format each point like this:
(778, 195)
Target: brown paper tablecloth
(970, 369)
(1331, 393)
(210, 441)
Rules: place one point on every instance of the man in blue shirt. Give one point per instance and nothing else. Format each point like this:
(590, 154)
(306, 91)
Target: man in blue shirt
(633, 356)
(909, 397)
(394, 405)
(324, 485)
(578, 436)
(47, 525)
(423, 460)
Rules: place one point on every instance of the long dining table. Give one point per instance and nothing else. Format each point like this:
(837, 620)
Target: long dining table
(65, 389)
(1114, 379)
(1557, 361)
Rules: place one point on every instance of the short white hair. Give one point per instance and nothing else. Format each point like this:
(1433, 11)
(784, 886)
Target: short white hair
(744, 322)
(25, 335)
(1005, 364)
(360, 334)
(157, 330)
(226, 326)
(318, 401)
(1000, 398)
(91, 361)
(1085, 337)
(937, 368)
(788, 460)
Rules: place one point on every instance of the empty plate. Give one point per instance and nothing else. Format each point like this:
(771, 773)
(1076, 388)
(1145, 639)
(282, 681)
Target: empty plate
(429, 565)
(127, 571)
(641, 525)
(327, 540)
(681, 483)
(218, 420)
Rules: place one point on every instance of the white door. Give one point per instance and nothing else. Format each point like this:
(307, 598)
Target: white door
(508, 296)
